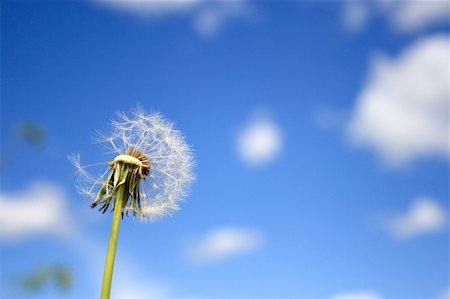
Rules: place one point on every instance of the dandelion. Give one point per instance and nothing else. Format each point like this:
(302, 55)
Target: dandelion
(149, 174)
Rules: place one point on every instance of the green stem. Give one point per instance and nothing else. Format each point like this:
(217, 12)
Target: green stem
(109, 264)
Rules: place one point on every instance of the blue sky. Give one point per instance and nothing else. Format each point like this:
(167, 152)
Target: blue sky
(320, 136)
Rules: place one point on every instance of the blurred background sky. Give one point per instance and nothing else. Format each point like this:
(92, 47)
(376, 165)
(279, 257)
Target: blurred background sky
(320, 132)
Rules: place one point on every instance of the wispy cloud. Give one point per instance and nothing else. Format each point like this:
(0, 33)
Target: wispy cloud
(425, 215)
(133, 283)
(328, 118)
(445, 294)
(407, 16)
(260, 141)
(355, 15)
(402, 16)
(150, 8)
(42, 208)
(357, 295)
(208, 17)
(212, 18)
(137, 287)
(131, 278)
(223, 243)
(402, 111)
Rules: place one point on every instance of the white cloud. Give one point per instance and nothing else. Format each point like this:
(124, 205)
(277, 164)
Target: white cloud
(425, 215)
(402, 16)
(402, 111)
(260, 141)
(40, 209)
(208, 17)
(357, 295)
(223, 243)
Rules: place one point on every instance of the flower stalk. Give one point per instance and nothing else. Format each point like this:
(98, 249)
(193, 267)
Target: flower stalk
(112, 245)
(123, 183)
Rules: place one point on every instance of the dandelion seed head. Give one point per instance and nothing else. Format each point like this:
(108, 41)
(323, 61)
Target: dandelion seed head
(153, 159)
